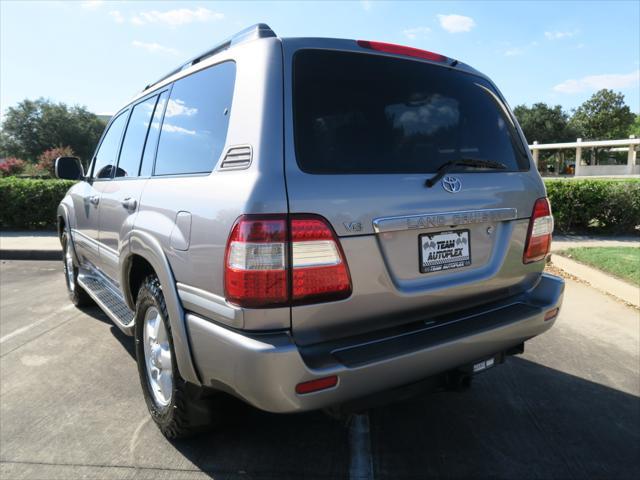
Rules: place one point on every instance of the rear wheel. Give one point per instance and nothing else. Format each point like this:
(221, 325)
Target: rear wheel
(177, 407)
(78, 296)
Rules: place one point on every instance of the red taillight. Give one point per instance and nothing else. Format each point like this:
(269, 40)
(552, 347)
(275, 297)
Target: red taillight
(319, 270)
(539, 234)
(402, 50)
(315, 385)
(255, 272)
(266, 265)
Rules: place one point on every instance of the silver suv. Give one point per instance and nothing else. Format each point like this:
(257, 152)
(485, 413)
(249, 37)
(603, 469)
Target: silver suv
(305, 222)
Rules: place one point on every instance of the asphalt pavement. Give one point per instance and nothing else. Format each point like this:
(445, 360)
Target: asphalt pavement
(71, 406)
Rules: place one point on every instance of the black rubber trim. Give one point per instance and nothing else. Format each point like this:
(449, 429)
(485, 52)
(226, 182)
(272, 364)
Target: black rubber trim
(432, 336)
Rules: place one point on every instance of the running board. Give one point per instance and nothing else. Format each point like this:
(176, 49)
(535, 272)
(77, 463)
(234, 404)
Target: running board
(109, 301)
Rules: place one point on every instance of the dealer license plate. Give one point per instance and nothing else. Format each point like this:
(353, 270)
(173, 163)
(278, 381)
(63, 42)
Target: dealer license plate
(444, 251)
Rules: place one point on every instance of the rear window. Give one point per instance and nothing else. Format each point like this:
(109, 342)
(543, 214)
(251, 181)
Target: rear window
(362, 113)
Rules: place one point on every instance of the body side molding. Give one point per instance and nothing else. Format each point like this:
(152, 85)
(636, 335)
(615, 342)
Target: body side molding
(210, 306)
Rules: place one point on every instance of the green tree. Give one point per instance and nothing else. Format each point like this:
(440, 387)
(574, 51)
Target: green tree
(544, 124)
(635, 127)
(34, 126)
(604, 116)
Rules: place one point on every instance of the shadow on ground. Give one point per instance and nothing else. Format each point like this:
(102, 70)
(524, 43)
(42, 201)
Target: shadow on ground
(519, 420)
(124, 340)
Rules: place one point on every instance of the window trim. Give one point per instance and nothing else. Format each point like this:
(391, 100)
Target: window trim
(169, 90)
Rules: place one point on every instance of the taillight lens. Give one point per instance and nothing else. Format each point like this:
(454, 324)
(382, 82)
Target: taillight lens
(402, 50)
(271, 261)
(319, 270)
(540, 230)
(255, 262)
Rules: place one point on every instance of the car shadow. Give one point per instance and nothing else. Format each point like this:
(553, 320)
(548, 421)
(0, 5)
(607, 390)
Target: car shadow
(126, 341)
(521, 420)
(256, 444)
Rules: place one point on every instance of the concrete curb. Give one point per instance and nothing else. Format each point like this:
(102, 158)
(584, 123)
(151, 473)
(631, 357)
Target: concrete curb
(606, 283)
(30, 254)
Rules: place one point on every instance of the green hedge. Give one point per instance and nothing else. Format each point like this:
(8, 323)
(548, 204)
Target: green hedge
(595, 205)
(579, 206)
(27, 203)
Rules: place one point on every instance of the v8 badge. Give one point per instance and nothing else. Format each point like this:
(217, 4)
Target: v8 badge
(354, 227)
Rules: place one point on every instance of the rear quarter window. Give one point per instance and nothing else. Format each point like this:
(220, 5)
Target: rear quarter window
(196, 120)
(363, 113)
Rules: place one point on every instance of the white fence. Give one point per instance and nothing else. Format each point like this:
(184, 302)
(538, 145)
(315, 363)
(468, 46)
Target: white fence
(585, 170)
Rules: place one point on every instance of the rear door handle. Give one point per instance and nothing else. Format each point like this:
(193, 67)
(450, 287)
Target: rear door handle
(130, 203)
(94, 199)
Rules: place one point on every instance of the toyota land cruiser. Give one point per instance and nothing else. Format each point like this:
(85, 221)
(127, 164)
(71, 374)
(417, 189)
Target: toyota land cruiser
(303, 222)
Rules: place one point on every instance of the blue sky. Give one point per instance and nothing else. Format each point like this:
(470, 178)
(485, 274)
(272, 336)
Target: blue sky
(100, 54)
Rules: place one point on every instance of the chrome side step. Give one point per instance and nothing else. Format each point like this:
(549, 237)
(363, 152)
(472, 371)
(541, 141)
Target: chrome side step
(108, 300)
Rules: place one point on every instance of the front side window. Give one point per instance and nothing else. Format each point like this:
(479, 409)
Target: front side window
(134, 138)
(195, 123)
(107, 154)
(362, 113)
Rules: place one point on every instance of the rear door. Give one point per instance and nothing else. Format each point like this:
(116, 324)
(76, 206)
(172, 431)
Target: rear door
(364, 131)
(119, 202)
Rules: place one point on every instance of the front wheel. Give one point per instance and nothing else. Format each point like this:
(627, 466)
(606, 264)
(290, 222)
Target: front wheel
(77, 295)
(177, 407)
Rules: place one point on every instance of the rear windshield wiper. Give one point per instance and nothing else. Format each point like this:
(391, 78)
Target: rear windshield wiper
(463, 162)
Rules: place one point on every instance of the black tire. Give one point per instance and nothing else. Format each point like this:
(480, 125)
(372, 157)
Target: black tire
(189, 410)
(77, 295)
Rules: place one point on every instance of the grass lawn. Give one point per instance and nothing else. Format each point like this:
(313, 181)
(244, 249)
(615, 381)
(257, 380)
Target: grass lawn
(622, 262)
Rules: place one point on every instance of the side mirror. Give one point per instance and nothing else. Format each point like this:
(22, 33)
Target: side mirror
(69, 168)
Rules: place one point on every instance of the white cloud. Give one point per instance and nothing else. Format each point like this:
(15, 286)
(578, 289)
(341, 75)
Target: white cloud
(117, 16)
(513, 52)
(596, 82)
(92, 4)
(167, 127)
(416, 32)
(174, 18)
(177, 108)
(456, 23)
(366, 5)
(558, 35)
(154, 47)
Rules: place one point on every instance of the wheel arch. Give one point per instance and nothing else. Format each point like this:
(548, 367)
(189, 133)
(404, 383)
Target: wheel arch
(64, 219)
(144, 255)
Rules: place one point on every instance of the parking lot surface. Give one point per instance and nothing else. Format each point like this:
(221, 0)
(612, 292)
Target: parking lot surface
(71, 406)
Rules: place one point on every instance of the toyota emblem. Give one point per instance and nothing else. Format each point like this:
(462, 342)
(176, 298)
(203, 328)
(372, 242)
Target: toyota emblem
(451, 184)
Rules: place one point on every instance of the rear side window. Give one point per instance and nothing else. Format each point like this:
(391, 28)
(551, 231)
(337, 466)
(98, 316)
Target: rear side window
(195, 123)
(134, 138)
(363, 113)
(107, 154)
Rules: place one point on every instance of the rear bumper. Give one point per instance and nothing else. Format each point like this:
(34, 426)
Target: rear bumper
(265, 369)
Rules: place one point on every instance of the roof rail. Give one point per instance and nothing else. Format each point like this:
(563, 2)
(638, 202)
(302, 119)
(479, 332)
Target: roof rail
(254, 32)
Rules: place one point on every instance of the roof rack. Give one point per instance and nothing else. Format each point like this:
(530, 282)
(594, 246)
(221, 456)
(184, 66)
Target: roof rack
(259, 30)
